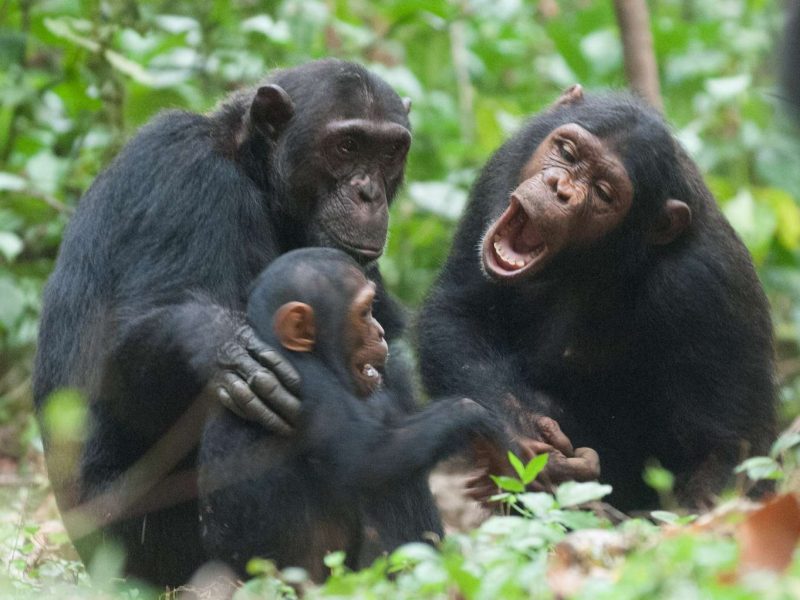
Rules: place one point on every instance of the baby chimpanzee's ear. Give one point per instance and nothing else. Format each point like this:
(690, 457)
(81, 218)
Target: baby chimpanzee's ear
(294, 326)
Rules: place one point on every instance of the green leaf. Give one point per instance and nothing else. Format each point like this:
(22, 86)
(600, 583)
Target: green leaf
(573, 493)
(787, 440)
(65, 28)
(10, 245)
(65, 416)
(755, 222)
(760, 468)
(130, 68)
(658, 478)
(539, 503)
(12, 183)
(534, 467)
(508, 483)
(517, 464)
(665, 516)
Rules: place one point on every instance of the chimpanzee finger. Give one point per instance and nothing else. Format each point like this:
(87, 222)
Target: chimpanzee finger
(531, 448)
(585, 467)
(250, 406)
(268, 389)
(589, 465)
(551, 433)
(270, 359)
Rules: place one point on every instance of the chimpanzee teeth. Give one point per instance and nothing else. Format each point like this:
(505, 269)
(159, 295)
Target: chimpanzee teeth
(369, 370)
(516, 262)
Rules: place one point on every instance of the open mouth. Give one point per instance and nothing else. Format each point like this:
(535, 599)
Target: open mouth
(371, 379)
(514, 245)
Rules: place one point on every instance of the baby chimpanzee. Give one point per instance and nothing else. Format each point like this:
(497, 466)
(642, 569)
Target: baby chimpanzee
(353, 477)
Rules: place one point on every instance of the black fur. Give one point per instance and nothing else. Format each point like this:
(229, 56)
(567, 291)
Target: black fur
(637, 350)
(151, 274)
(354, 476)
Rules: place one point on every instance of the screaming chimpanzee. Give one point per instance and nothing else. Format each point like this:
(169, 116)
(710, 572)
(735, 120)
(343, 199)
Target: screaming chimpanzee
(353, 478)
(163, 247)
(610, 295)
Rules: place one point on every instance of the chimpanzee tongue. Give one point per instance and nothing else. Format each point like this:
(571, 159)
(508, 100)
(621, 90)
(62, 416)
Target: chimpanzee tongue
(528, 238)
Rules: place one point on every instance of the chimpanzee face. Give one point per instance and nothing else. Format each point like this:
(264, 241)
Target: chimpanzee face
(365, 347)
(360, 164)
(573, 191)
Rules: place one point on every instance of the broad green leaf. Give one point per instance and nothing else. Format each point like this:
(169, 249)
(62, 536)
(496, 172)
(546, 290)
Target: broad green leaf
(573, 493)
(65, 415)
(787, 440)
(539, 503)
(10, 245)
(786, 211)
(659, 478)
(755, 222)
(66, 28)
(665, 516)
(508, 483)
(758, 468)
(12, 183)
(727, 88)
(130, 68)
(517, 464)
(534, 467)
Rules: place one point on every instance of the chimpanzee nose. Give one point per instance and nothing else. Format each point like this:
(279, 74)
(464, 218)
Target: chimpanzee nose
(559, 182)
(367, 189)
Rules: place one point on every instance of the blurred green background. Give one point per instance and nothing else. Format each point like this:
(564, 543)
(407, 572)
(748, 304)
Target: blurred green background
(77, 78)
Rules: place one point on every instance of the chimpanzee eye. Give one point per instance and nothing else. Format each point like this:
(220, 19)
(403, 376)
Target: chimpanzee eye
(566, 152)
(604, 193)
(348, 146)
(394, 151)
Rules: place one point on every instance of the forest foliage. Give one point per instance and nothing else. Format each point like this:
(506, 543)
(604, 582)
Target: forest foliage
(78, 77)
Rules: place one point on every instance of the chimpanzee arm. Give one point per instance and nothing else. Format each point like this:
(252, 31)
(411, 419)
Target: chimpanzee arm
(358, 450)
(462, 347)
(174, 351)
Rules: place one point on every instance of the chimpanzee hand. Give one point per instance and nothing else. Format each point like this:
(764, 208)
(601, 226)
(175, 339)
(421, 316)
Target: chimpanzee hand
(256, 383)
(563, 464)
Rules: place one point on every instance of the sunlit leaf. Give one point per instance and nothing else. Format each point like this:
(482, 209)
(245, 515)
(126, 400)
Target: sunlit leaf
(10, 245)
(12, 183)
(508, 483)
(760, 467)
(787, 440)
(573, 493)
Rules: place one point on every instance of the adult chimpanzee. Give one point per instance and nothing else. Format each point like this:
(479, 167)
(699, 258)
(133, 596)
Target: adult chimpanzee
(610, 295)
(162, 248)
(353, 477)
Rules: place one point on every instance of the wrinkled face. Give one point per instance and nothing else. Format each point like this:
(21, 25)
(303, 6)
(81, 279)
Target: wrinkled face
(365, 347)
(359, 164)
(574, 190)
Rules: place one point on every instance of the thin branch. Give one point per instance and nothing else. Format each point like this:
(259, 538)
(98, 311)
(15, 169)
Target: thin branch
(637, 44)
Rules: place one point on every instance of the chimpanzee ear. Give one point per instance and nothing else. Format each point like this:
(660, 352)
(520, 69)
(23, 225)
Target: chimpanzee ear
(572, 94)
(294, 326)
(271, 109)
(673, 221)
(407, 104)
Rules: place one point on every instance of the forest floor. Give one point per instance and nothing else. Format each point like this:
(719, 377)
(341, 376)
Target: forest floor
(565, 545)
